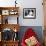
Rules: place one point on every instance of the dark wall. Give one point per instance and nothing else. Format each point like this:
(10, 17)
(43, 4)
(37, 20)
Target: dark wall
(37, 29)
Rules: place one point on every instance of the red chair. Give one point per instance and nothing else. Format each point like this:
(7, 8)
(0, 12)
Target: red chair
(29, 33)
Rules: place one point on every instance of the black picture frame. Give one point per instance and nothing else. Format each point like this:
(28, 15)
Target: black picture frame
(29, 13)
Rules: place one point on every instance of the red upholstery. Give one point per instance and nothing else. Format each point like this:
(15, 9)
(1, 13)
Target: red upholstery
(29, 33)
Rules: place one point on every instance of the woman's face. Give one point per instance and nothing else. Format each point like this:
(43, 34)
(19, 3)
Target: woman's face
(31, 41)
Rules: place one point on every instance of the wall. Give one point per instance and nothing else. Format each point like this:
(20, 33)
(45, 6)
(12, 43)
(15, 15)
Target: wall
(36, 29)
(39, 13)
(27, 4)
(7, 3)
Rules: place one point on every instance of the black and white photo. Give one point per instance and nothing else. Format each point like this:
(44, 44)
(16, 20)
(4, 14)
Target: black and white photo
(29, 13)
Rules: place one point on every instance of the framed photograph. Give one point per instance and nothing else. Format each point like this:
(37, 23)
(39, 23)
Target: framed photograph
(29, 13)
(5, 12)
(13, 12)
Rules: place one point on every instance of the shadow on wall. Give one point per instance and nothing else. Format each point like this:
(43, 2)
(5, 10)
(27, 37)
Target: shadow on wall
(37, 29)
